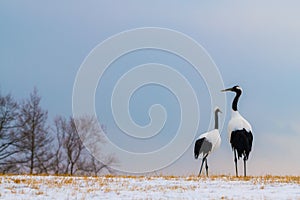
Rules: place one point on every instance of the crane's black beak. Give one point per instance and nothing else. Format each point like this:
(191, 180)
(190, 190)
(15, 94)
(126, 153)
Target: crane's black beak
(226, 90)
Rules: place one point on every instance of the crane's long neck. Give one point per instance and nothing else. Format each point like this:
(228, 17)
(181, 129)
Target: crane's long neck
(216, 120)
(235, 100)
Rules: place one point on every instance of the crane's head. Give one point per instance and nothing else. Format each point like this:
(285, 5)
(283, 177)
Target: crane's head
(218, 110)
(236, 89)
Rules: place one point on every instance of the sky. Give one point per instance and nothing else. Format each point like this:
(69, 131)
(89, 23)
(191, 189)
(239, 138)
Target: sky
(253, 44)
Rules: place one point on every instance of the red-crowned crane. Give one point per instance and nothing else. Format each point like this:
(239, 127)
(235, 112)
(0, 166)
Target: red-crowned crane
(239, 131)
(208, 142)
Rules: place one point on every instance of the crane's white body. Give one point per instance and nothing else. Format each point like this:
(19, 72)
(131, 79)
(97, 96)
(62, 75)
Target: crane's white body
(212, 137)
(238, 122)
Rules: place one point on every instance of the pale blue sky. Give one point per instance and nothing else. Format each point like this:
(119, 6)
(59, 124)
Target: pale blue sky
(254, 44)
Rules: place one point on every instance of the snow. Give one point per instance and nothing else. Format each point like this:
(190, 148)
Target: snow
(143, 187)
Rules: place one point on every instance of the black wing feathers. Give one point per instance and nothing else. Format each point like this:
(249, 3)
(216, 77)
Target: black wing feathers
(241, 141)
(202, 146)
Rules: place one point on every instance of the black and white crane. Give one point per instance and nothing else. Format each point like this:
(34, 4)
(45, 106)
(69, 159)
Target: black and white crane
(208, 142)
(239, 131)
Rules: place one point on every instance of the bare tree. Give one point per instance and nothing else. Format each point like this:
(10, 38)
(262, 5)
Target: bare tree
(69, 147)
(34, 144)
(93, 137)
(59, 159)
(28, 145)
(71, 155)
(8, 125)
(74, 147)
(94, 167)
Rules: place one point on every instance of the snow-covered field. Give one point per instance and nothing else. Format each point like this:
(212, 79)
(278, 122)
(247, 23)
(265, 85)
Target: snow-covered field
(144, 187)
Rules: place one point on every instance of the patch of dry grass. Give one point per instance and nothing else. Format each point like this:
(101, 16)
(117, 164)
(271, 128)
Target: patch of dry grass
(260, 179)
(87, 184)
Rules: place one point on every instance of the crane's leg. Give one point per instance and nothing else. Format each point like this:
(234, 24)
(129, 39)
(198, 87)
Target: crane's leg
(235, 161)
(245, 166)
(202, 164)
(201, 167)
(206, 167)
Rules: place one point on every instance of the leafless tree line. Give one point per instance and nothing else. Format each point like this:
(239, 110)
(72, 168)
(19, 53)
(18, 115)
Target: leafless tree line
(28, 145)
